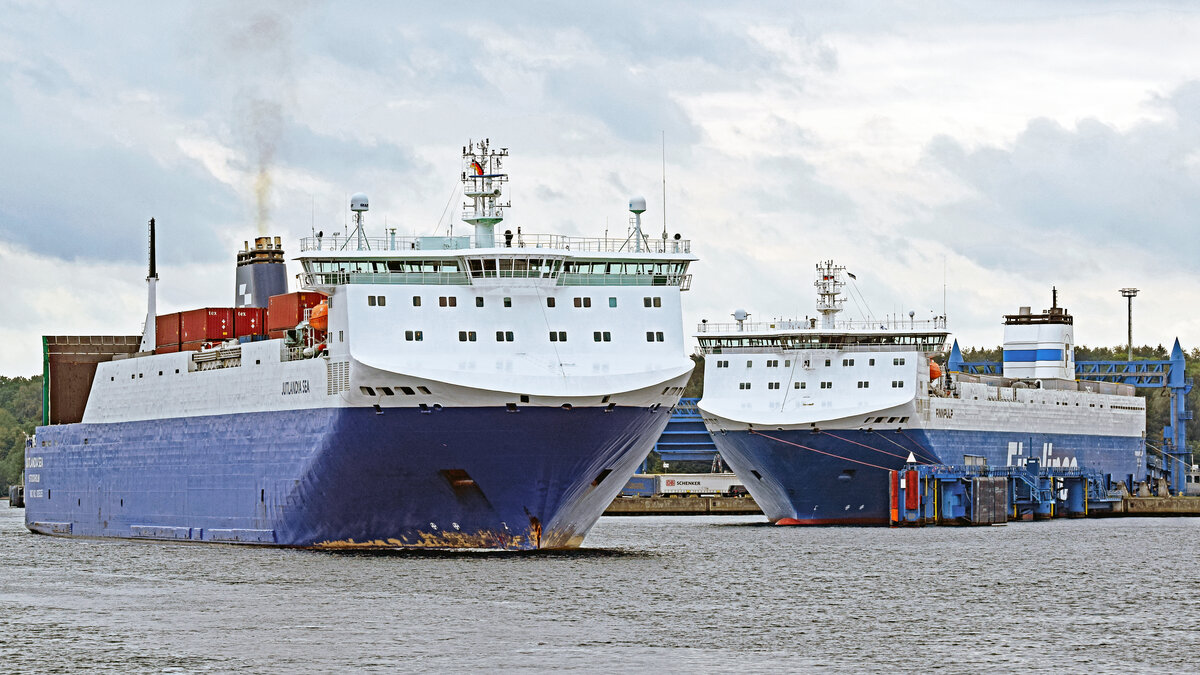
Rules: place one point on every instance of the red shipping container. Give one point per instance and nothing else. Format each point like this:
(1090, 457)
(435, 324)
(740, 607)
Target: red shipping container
(249, 321)
(272, 334)
(193, 346)
(210, 323)
(166, 349)
(287, 310)
(166, 329)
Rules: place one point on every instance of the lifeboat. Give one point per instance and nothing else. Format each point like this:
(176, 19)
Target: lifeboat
(319, 317)
(934, 370)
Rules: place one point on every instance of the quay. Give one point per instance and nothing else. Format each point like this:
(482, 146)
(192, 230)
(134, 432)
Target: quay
(683, 505)
(982, 495)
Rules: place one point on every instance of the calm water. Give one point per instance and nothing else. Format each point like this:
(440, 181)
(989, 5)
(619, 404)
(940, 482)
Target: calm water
(671, 594)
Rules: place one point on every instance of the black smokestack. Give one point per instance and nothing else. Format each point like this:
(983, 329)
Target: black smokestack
(153, 272)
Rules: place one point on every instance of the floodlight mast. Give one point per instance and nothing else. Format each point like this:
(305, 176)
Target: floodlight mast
(1130, 293)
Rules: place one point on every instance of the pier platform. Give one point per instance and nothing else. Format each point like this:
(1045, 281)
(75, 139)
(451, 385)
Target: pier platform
(683, 506)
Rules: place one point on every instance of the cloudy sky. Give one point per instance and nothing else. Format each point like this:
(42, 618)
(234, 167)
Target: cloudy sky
(1002, 148)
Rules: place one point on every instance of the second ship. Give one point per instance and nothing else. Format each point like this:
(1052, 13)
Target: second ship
(814, 417)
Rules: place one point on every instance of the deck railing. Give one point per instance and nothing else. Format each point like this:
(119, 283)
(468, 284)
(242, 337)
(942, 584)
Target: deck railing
(500, 241)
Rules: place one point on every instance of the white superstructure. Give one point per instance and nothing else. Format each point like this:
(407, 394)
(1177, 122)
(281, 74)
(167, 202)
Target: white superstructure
(870, 375)
(490, 319)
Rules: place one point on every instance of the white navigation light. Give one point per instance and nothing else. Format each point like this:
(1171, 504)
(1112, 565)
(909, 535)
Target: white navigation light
(358, 202)
(637, 204)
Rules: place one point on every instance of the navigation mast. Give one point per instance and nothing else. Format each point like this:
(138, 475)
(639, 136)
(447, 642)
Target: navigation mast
(829, 286)
(483, 179)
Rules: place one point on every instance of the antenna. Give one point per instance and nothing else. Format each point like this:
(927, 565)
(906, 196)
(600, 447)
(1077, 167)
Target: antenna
(664, 181)
(943, 286)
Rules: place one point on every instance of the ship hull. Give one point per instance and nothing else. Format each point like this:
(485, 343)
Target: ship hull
(533, 478)
(840, 477)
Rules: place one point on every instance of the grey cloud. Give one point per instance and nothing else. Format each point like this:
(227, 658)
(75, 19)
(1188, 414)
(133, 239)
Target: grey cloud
(1088, 183)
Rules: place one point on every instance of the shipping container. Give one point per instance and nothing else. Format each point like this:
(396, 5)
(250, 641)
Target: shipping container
(287, 310)
(166, 349)
(194, 346)
(273, 334)
(697, 483)
(166, 330)
(640, 485)
(249, 321)
(210, 323)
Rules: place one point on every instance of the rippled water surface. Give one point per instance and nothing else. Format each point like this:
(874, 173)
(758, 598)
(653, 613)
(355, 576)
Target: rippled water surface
(672, 594)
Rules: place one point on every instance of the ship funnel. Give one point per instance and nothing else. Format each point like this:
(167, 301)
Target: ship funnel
(149, 335)
(261, 273)
(1040, 346)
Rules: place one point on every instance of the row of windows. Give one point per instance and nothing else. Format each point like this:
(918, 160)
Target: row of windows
(452, 301)
(774, 363)
(896, 384)
(507, 336)
(389, 391)
(443, 301)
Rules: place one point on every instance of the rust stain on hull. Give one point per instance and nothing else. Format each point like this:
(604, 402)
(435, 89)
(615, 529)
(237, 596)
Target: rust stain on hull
(484, 539)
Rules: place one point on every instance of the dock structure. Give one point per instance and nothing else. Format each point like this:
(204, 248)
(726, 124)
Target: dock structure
(1169, 374)
(924, 494)
(683, 505)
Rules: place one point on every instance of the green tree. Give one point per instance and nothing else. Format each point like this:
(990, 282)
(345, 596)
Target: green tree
(20, 413)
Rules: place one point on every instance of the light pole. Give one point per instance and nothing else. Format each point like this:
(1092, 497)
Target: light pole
(1130, 293)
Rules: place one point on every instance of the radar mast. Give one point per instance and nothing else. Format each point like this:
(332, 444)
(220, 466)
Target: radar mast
(829, 286)
(483, 179)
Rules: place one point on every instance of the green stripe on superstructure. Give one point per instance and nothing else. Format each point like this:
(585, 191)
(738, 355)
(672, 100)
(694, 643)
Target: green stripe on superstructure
(45, 383)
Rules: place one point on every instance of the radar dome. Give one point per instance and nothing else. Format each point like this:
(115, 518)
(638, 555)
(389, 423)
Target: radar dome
(637, 204)
(740, 315)
(358, 202)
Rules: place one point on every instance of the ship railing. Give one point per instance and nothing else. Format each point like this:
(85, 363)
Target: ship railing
(816, 346)
(317, 279)
(897, 325)
(314, 279)
(684, 281)
(499, 240)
